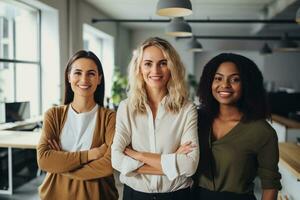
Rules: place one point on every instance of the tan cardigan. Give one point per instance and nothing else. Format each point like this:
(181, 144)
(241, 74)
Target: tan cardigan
(69, 174)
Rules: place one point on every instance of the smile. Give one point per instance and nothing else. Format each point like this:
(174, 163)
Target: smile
(225, 93)
(155, 77)
(84, 86)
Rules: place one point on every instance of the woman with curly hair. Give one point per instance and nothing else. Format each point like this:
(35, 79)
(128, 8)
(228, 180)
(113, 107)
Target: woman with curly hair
(155, 147)
(236, 142)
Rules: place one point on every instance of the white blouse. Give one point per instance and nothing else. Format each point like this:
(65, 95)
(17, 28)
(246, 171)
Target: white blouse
(163, 135)
(77, 133)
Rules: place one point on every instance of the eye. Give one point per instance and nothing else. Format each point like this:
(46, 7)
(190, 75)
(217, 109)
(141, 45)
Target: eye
(91, 73)
(147, 64)
(217, 78)
(77, 73)
(235, 79)
(163, 63)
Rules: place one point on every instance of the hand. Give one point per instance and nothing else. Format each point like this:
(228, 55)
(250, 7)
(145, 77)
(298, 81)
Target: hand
(96, 153)
(185, 148)
(54, 145)
(132, 153)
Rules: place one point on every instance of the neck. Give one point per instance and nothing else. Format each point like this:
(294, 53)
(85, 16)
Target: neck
(80, 104)
(155, 96)
(229, 113)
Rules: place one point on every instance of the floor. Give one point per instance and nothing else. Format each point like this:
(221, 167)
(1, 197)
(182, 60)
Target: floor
(28, 191)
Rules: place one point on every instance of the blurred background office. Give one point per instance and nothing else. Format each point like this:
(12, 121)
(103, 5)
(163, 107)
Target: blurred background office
(38, 36)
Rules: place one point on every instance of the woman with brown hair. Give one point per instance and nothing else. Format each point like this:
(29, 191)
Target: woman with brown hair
(74, 148)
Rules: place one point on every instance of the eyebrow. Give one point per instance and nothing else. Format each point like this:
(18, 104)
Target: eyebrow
(147, 61)
(229, 75)
(80, 70)
(152, 61)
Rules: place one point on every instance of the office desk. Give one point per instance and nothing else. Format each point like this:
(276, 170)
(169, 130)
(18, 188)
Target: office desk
(12, 125)
(16, 139)
(289, 167)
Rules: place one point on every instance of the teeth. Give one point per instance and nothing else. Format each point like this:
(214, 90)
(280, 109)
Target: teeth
(155, 77)
(224, 93)
(83, 86)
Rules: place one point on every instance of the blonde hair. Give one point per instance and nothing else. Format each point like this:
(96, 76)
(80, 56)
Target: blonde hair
(176, 88)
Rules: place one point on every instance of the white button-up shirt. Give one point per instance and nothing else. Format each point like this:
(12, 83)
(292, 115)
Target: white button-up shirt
(162, 135)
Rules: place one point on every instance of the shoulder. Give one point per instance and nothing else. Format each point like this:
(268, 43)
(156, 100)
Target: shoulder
(189, 110)
(107, 113)
(106, 110)
(262, 129)
(56, 111)
(124, 103)
(189, 107)
(123, 106)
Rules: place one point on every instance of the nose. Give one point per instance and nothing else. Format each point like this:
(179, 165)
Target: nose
(156, 68)
(84, 78)
(226, 83)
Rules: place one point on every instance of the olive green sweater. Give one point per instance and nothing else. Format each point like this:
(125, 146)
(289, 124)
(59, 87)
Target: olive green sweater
(69, 174)
(248, 150)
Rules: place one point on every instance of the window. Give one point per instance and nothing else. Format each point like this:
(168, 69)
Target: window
(102, 45)
(19, 55)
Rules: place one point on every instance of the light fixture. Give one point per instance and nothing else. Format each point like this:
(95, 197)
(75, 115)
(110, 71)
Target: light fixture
(174, 8)
(194, 45)
(285, 44)
(178, 27)
(266, 49)
(298, 16)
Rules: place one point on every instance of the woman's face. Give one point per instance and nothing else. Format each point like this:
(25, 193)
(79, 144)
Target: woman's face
(154, 68)
(84, 77)
(227, 86)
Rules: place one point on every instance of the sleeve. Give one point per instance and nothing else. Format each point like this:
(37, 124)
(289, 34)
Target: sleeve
(268, 157)
(121, 162)
(56, 161)
(175, 165)
(101, 167)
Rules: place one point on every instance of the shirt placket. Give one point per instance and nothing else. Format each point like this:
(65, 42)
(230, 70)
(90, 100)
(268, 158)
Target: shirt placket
(151, 125)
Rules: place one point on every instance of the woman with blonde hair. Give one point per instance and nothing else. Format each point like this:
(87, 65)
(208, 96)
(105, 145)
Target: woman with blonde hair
(155, 147)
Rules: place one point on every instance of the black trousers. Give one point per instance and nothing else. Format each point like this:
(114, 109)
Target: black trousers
(204, 194)
(131, 194)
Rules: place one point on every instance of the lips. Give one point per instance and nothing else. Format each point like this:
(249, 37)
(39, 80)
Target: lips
(225, 93)
(155, 78)
(84, 86)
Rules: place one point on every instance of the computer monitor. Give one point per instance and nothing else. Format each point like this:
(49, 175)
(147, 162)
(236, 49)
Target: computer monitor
(17, 111)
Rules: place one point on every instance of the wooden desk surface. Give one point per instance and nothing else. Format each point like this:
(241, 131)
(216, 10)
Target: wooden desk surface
(19, 139)
(289, 123)
(290, 157)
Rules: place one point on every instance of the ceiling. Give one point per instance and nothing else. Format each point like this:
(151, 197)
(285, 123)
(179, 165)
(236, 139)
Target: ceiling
(210, 9)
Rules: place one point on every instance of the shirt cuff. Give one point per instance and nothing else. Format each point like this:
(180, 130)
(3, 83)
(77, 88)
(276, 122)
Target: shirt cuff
(129, 166)
(168, 164)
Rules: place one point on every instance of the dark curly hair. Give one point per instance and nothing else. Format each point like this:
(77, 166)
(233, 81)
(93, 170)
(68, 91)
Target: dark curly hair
(253, 102)
(99, 93)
